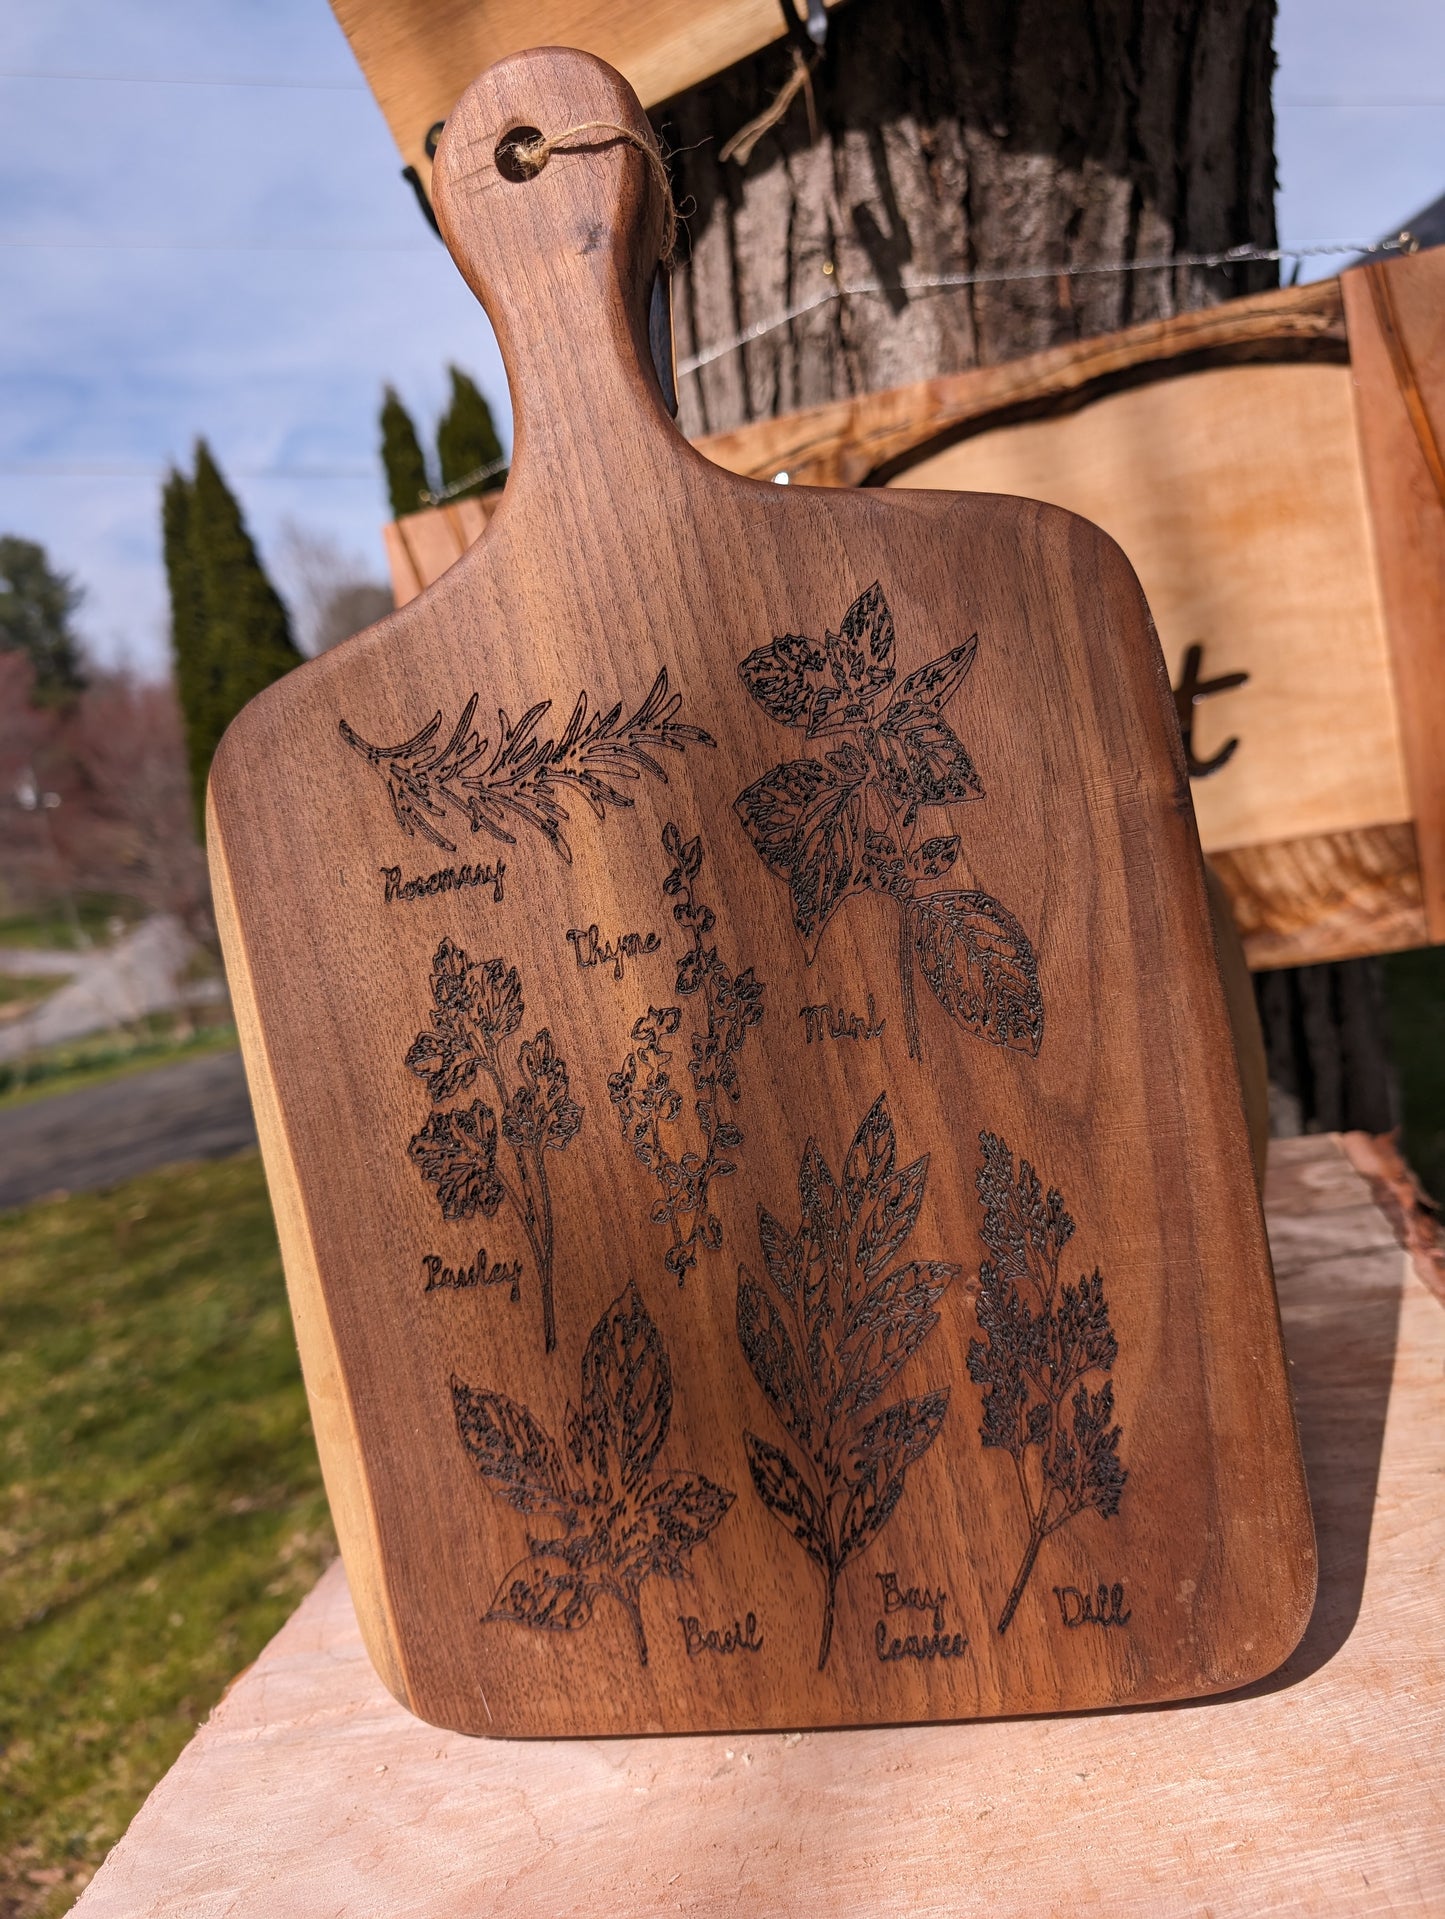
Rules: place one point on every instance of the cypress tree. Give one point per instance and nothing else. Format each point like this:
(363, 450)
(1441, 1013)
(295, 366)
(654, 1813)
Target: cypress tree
(402, 457)
(36, 604)
(466, 439)
(229, 627)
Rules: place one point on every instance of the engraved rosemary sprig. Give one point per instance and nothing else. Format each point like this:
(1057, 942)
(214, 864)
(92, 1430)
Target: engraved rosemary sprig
(524, 779)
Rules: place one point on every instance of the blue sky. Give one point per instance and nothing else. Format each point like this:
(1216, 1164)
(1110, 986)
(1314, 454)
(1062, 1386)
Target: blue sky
(243, 261)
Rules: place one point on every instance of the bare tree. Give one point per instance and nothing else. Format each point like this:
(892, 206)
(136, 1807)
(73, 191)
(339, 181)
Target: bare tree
(331, 590)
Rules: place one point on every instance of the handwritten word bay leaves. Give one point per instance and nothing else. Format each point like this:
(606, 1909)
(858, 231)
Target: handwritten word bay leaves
(825, 1331)
(524, 778)
(621, 1521)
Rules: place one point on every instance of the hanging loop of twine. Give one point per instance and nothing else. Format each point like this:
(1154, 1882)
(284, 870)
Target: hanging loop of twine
(532, 154)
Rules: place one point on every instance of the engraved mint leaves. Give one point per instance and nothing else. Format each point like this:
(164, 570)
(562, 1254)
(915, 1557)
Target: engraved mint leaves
(825, 1329)
(612, 1519)
(1040, 1342)
(844, 820)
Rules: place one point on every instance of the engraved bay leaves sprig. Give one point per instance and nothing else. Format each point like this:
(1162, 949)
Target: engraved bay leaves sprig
(844, 820)
(525, 778)
(613, 1518)
(650, 1104)
(477, 1007)
(1041, 1342)
(826, 1326)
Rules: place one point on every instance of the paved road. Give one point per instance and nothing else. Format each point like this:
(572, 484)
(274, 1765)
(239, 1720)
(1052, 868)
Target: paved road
(94, 1136)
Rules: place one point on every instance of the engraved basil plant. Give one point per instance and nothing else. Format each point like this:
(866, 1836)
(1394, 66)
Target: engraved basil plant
(607, 1517)
(464, 1150)
(845, 819)
(826, 1327)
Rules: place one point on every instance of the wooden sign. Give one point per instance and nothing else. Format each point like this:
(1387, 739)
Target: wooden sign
(729, 1001)
(418, 55)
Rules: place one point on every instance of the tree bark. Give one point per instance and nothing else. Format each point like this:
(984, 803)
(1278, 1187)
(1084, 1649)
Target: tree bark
(1007, 137)
(987, 137)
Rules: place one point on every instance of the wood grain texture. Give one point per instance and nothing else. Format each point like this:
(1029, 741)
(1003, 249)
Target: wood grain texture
(1330, 897)
(1316, 1792)
(865, 440)
(418, 55)
(1237, 495)
(1396, 316)
(559, 1184)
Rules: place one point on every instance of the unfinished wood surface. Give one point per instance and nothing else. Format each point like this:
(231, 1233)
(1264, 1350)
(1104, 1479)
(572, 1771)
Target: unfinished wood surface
(418, 55)
(861, 441)
(1333, 896)
(658, 1015)
(1319, 1791)
(1397, 358)
(1237, 495)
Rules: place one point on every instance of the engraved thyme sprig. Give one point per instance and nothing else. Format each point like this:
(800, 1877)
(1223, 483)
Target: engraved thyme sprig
(524, 779)
(649, 1104)
(846, 822)
(475, 1008)
(616, 1520)
(825, 1331)
(1040, 1342)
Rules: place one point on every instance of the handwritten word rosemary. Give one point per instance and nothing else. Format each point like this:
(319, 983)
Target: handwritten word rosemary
(832, 1022)
(590, 949)
(479, 1273)
(740, 1636)
(451, 879)
(1102, 1608)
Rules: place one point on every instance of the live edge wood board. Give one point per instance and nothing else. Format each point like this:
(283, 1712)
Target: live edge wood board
(728, 994)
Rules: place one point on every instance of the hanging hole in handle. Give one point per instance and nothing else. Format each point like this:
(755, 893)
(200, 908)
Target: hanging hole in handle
(508, 164)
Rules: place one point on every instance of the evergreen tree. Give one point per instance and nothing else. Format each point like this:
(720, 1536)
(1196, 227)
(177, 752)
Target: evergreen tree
(36, 604)
(229, 627)
(467, 441)
(402, 457)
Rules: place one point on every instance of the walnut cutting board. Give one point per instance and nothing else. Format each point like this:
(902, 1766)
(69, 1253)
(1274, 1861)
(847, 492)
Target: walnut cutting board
(727, 990)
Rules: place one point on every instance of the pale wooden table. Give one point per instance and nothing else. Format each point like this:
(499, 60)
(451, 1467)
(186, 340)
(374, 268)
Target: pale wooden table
(309, 1794)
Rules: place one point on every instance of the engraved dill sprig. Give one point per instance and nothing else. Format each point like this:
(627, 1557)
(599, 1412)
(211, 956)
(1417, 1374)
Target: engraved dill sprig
(1041, 1340)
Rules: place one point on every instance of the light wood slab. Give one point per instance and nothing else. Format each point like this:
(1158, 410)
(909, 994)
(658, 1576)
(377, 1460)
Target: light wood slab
(666, 952)
(1318, 1792)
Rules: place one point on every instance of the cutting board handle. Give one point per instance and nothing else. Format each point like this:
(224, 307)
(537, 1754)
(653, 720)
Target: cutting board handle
(563, 261)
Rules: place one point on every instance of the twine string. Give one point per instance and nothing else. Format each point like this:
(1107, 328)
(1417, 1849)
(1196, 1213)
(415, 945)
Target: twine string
(532, 155)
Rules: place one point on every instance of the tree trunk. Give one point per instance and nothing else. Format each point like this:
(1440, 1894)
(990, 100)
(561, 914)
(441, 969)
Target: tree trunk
(994, 137)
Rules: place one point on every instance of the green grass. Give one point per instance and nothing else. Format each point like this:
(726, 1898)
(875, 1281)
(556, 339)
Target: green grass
(1415, 994)
(52, 925)
(161, 1510)
(149, 1042)
(18, 987)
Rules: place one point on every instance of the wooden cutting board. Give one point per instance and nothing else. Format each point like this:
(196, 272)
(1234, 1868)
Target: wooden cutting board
(728, 996)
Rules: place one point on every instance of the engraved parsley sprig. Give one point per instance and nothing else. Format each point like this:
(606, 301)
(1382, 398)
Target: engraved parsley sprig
(475, 1008)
